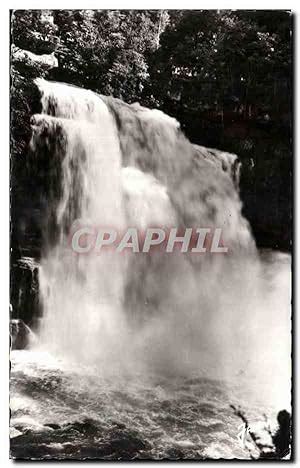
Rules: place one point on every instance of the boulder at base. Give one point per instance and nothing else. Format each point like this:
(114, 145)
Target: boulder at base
(20, 334)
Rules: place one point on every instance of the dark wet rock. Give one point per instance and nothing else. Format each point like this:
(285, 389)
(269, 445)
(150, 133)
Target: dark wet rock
(24, 278)
(175, 454)
(119, 425)
(88, 427)
(52, 426)
(79, 442)
(282, 437)
(20, 334)
(25, 58)
(225, 161)
(128, 443)
(124, 447)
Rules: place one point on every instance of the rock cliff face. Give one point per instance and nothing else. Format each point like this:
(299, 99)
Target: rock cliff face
(20, 334)
(24, 281)
(27, 178)
(28, 59)
(228, 162)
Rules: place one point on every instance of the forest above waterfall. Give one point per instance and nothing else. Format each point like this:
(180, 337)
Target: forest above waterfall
(224, 75)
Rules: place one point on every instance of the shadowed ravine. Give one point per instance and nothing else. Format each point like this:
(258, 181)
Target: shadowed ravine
(140, 355)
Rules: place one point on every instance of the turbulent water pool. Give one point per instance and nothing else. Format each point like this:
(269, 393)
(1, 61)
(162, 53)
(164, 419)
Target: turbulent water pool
(62, 412)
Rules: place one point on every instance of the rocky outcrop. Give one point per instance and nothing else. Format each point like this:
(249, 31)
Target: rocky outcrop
(33, 54)
(228, 162)
(29, 59)
(24, 281)
(20, 334)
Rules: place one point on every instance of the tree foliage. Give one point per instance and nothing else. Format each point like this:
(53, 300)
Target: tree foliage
(207, 58)
(106, 50)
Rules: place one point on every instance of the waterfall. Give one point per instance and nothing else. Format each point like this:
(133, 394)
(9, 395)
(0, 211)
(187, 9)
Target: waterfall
(123, 165)
(74, 288)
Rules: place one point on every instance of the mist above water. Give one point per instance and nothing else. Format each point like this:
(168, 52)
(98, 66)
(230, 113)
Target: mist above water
(181, 314)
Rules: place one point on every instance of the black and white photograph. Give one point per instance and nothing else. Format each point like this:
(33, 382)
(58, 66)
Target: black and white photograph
(151, 234)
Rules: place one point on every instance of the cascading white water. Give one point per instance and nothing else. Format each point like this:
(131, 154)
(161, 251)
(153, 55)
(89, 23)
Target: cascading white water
(128, 166)
(82, 294)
